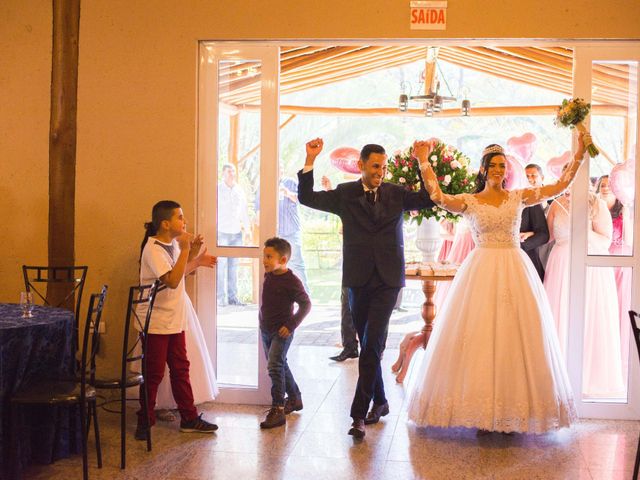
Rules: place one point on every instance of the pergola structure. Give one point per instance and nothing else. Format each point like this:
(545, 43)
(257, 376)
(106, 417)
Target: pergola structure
(307, 67)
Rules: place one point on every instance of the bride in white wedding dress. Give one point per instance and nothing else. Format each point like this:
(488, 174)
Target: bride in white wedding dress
(493, 361)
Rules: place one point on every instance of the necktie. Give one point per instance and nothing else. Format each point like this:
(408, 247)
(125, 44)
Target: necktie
(371, 196)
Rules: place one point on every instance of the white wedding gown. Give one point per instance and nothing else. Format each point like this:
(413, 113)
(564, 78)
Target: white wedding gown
(493, 361)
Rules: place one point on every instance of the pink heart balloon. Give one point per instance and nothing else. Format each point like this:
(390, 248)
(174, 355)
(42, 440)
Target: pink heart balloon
(555, 164)
(621, 182)
(516, 176)
(523, 146)
(345, 159)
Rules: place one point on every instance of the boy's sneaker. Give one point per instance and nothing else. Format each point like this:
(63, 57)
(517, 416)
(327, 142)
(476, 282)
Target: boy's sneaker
(275, 418)
(292, 405)
(198, 425)
(141, 433)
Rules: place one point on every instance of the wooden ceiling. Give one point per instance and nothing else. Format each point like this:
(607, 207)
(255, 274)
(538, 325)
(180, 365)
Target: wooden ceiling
(306, 67)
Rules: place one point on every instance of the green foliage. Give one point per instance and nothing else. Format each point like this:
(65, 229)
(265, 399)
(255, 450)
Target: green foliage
(451, 167)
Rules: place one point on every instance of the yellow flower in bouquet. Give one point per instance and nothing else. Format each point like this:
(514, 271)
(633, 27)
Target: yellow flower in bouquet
(571, 114)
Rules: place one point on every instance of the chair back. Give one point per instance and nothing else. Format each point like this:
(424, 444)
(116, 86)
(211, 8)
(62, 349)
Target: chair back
(91, 331)
(633, 318)
(139, 309)
(58, 283)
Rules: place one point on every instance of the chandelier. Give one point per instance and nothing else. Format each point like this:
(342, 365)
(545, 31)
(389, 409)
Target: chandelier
(433, 97)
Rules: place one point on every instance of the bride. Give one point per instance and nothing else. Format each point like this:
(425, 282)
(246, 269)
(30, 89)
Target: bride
(493, 361)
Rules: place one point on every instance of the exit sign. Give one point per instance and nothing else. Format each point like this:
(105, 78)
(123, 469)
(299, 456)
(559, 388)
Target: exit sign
(428, 15)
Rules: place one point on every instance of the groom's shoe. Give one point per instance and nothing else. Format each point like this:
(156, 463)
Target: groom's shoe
(357, 428)
(344, 355)
(376, 412)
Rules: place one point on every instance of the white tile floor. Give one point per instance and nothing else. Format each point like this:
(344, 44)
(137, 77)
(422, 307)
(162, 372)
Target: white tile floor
(314, 444)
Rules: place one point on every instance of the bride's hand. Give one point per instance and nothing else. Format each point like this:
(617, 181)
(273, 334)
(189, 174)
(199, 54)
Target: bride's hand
(421, 151)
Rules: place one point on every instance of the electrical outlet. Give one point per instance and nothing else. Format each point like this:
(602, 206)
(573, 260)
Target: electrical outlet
(102, 328)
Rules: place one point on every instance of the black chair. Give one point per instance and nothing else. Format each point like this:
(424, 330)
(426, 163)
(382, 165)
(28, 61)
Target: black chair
(70, 279)
(138, 296)
(75, 391)
(633, 317)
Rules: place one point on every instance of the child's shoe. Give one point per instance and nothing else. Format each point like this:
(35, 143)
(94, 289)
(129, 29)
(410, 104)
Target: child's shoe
(275, 418)
(292, 405)
(198, 425)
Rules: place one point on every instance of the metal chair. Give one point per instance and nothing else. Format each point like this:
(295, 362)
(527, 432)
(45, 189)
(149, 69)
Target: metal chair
(633, 318)
(39, 280)
(75, 391)
(139, 297)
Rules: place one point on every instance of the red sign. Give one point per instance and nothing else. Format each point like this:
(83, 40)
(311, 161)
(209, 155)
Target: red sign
(428, 15)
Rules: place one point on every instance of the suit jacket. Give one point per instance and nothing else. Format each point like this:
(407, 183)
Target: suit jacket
(533, 220)
(372, 234)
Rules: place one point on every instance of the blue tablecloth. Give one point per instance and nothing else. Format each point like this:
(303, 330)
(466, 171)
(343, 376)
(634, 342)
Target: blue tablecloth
(32, 349)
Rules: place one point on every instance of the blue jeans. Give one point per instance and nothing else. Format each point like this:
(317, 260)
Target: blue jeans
(282, 381)
(227, 269)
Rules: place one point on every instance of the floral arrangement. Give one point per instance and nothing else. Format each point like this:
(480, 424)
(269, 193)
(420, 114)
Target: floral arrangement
(451, 167)
(571, 114)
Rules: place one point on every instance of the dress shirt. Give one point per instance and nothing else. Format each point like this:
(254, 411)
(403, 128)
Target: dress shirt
(232, 209)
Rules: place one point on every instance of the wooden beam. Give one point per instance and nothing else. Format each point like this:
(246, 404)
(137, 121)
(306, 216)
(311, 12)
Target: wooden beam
(62, 140)
(536, 110)
(234, 127)
(257, 147)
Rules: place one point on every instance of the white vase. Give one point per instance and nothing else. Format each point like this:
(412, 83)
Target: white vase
(428, 239)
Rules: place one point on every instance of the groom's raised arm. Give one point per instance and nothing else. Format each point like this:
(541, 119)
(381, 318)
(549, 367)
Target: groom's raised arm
(327, 201)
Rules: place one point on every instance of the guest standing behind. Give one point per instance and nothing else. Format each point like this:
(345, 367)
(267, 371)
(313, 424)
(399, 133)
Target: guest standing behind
(534, 232)
(289, 225)
(348, 334)
(621, 244)
(169, 253)
(281, 289)
(232, 219)
(373, 261)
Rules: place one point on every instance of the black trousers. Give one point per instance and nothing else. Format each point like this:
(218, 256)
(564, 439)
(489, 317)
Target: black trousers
(371, 307)
(347, 329)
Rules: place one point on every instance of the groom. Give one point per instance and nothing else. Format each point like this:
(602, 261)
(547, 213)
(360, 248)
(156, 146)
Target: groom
(373, 261)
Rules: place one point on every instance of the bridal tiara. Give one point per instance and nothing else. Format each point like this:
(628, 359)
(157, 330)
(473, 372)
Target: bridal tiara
(493, 149)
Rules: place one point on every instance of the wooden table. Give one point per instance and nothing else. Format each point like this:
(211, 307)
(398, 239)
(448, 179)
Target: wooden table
(412, 341)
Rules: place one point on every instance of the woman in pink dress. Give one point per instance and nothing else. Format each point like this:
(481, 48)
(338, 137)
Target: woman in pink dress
(462, 245)
(620, 245)
(602, 368)
(447, 233)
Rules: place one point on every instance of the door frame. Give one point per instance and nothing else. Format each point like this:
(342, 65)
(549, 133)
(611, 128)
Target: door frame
(209, 55)
(585, 51)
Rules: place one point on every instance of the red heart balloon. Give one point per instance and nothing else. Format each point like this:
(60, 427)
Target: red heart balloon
(523, 146)
(555, 164)
(621, 182)
(345, 159)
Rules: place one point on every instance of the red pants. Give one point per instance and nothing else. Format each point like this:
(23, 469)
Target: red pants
(171, 350)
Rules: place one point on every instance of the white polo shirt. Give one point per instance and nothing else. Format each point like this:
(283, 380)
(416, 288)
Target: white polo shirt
(172, 306)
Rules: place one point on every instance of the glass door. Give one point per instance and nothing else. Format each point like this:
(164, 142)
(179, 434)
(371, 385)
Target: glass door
(236, 206)
(605, 259)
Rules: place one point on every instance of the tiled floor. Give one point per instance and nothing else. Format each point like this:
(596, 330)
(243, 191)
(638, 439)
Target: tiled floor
(314, 444)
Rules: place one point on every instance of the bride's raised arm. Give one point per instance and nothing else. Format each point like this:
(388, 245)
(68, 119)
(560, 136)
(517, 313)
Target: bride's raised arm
(452, 203)
(533, 196)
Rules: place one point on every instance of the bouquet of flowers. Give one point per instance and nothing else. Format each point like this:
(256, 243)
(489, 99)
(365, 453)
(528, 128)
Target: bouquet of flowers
(451, 167)
(571, 114)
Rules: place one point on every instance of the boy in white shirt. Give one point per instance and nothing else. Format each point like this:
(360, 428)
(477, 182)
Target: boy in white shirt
(169, 253)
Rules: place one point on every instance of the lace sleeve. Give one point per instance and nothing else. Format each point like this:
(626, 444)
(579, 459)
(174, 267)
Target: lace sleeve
(533, 196)
(452, 203)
